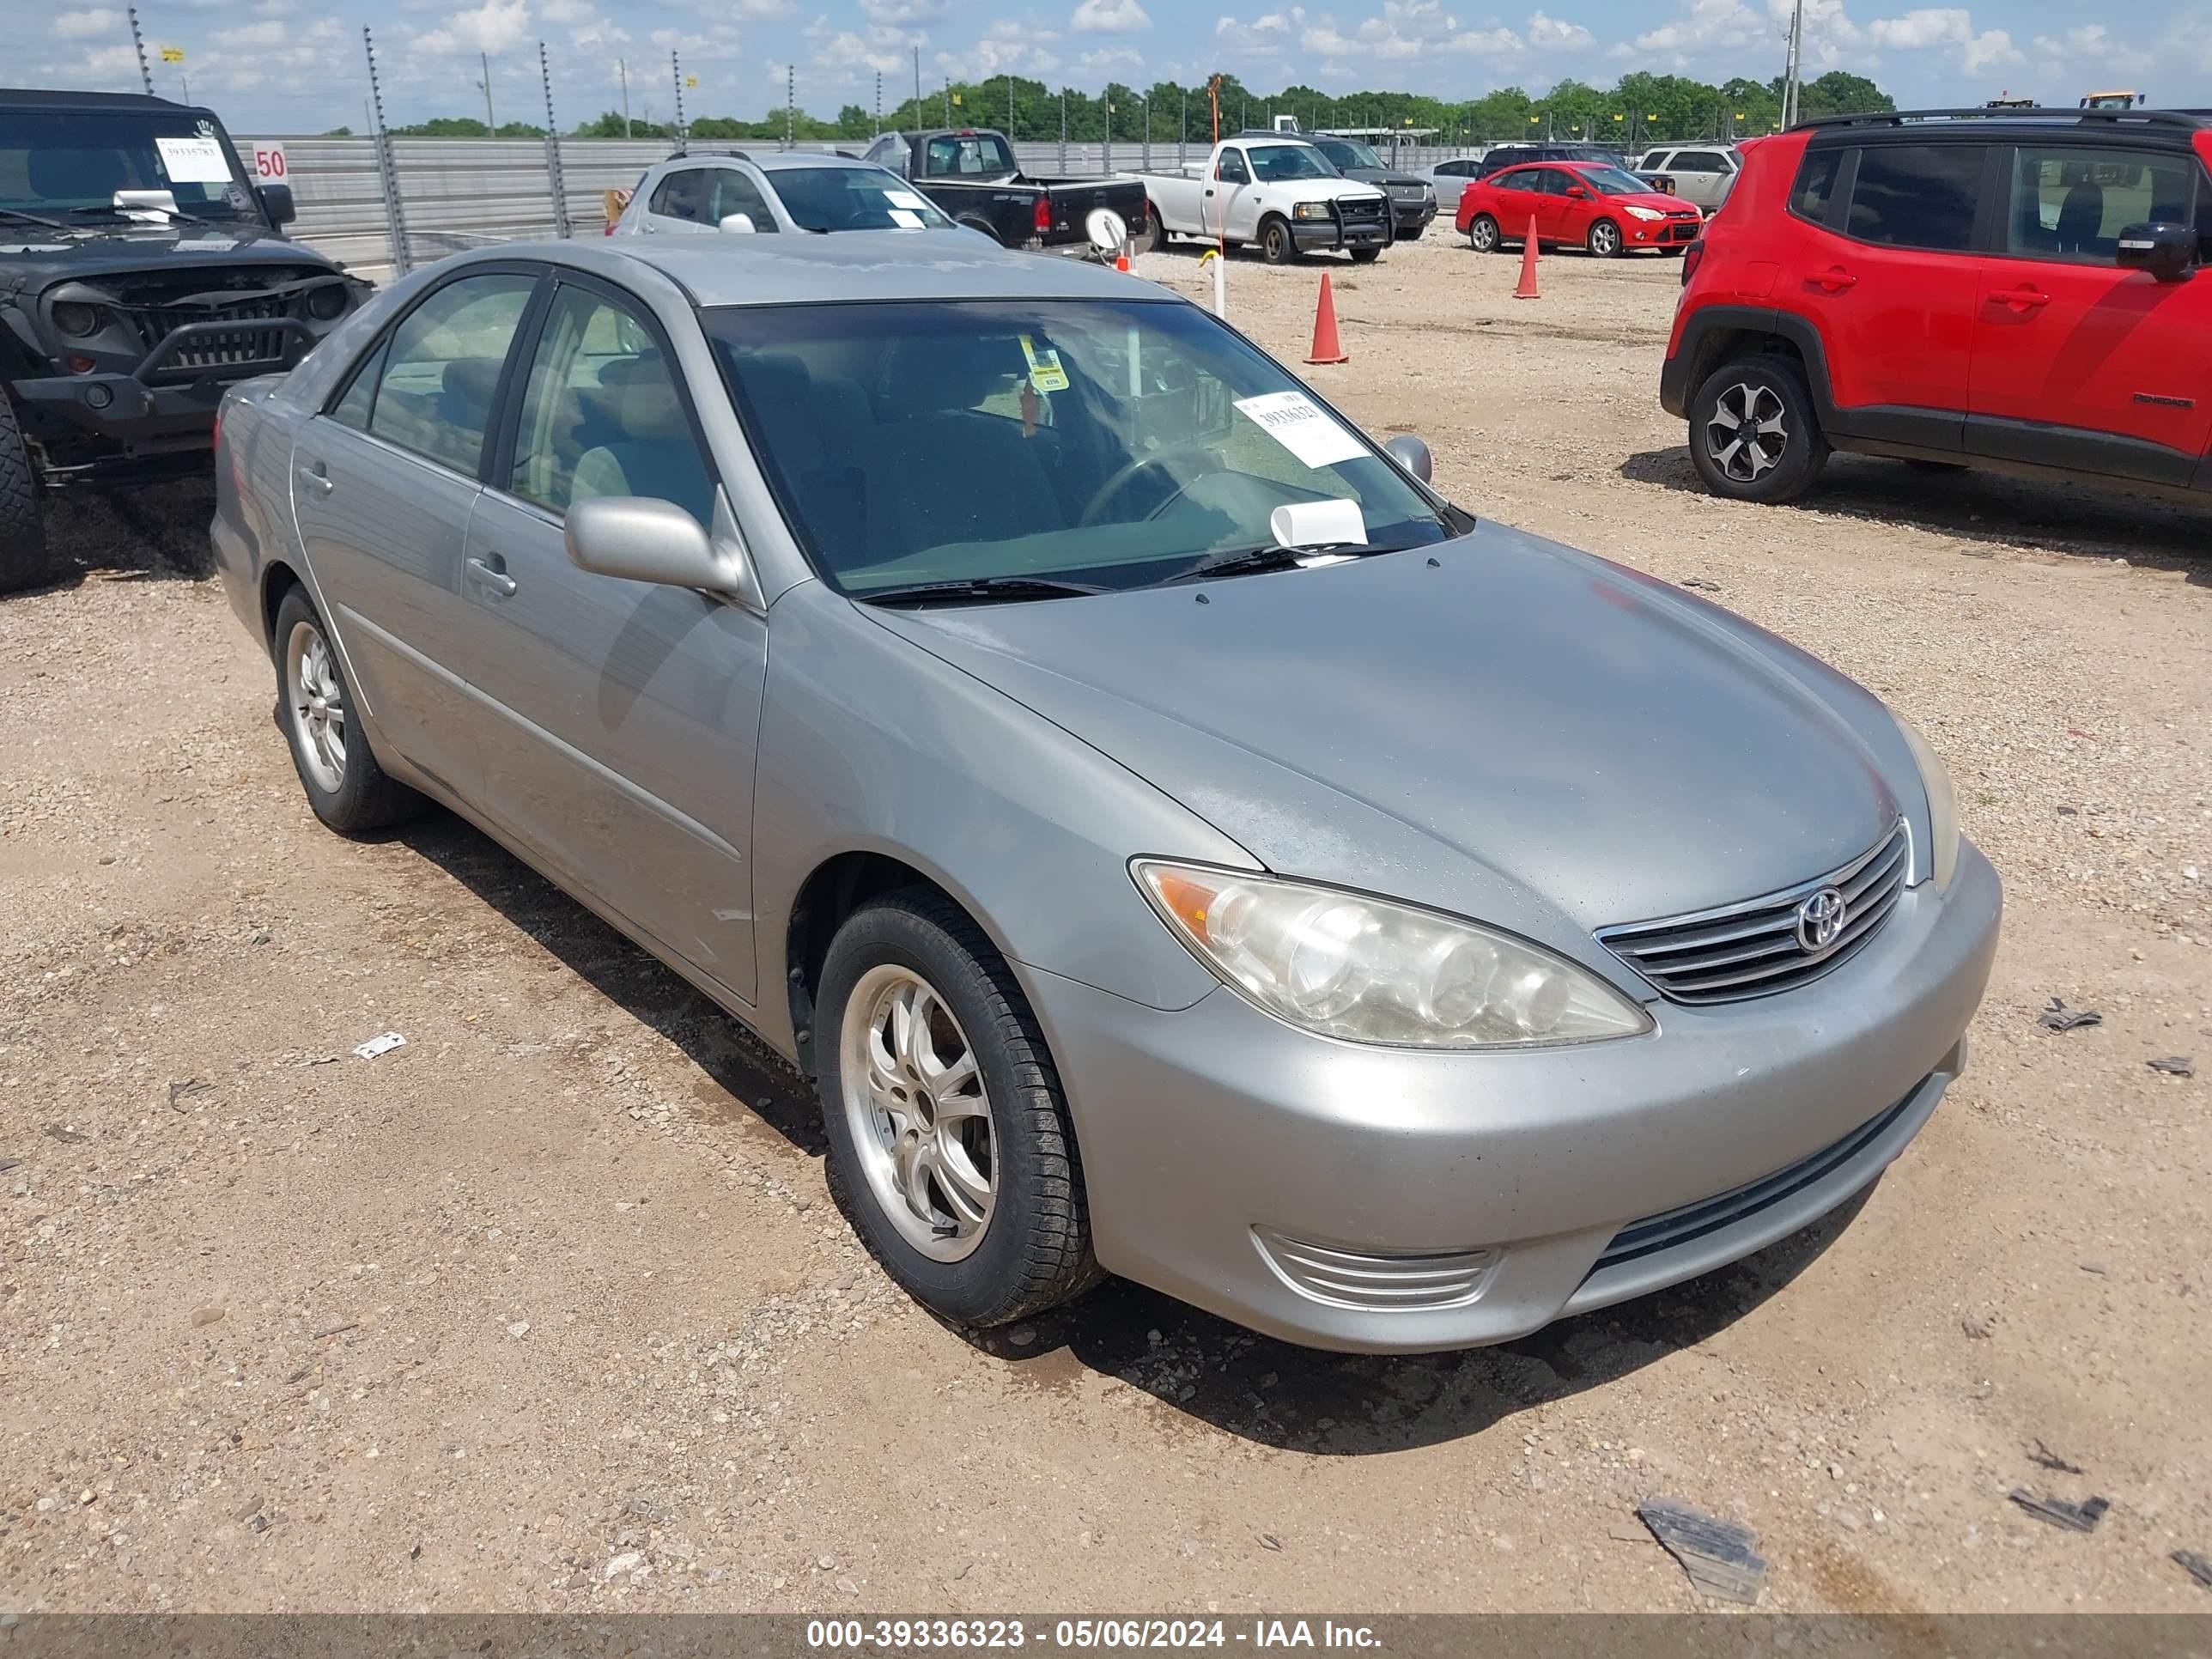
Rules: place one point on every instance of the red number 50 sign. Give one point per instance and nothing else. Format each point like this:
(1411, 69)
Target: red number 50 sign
(269, 167)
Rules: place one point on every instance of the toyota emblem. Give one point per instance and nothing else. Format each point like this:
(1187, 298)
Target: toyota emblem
(1820, 920)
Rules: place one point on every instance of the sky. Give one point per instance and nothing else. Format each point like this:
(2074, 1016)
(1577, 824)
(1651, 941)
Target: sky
(279, 67)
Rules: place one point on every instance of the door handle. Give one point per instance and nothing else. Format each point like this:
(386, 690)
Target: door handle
(489, 575)
(2027, 298)
(1835, 280)
(317, 476)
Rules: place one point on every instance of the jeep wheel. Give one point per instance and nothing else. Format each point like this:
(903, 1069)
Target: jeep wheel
(1752, 433)
(23, 531)
(1604, 240)
(1277, 245)
(1482, 234)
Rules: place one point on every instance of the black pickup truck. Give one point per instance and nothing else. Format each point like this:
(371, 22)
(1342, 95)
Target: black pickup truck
(971, 173)
(141, 273)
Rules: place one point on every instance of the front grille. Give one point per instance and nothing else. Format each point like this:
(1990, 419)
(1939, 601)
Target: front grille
(1757, 947)
(1360, 1279)
(230, 349)
(1693, 1221)
(1683, 231)
(1360, 209)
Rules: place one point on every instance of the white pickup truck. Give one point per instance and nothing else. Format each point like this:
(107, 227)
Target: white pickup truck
(1273, 189)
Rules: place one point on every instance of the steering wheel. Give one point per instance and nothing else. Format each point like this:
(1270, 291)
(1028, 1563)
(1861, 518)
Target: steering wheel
(1127, 470)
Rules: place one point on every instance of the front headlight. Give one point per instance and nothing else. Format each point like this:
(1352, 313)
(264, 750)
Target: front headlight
(1370, 971)
(1309, 210)
(1636, 212)
(1942, 805)
(76, 318)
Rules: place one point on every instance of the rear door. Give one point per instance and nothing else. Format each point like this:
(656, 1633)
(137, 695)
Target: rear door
(2077, 361)
(680, 203)
(1893, 284)
(624, 714)
(384, 482)
(732, 190)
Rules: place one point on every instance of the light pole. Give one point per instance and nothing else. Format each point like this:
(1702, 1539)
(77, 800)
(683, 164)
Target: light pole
(483, 60)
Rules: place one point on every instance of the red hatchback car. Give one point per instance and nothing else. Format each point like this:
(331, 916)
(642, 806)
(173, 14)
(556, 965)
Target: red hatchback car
(2026, 291)
(1587, 204)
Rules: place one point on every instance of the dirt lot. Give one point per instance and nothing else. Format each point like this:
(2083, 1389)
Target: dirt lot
(550, 1309)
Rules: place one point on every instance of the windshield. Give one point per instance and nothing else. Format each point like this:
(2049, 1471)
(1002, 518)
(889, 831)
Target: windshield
(1276, 162)
(1612, 181)
(967, 155)
(54, 161)
(1111, 444)
(1347, 154)
(853, 198)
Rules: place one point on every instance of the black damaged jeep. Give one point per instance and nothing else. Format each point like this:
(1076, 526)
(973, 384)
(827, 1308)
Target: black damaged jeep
(141, 273)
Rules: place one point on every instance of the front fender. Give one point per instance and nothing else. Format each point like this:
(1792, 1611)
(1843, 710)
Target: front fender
(870, 743)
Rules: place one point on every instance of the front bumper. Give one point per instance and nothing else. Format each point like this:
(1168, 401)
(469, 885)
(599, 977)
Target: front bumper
(1472, 1199)
(1664, 233)
(1321, 234)
(1411, 216)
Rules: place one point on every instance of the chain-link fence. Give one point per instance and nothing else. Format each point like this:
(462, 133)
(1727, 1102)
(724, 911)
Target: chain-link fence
(458, 193)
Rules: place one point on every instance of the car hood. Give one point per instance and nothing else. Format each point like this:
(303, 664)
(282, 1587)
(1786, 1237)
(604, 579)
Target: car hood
(1386, 177)
(1499, 726)
(31, 257)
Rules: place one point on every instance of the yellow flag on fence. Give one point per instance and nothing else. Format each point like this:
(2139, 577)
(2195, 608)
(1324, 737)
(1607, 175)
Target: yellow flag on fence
(173, 54)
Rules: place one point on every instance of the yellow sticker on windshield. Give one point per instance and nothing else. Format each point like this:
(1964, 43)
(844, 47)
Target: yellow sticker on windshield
(1045, 373)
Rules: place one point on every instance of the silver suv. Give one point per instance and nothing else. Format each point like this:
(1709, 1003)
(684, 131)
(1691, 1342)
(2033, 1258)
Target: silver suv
(737, 190)
(1702, 174)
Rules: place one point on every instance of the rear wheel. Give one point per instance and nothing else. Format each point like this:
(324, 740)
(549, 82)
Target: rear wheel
(22, 527)
(1753, 436)
(1277, 245)
(348, 790)
(948, 1130)
(1482, 234)
(982, 225)
(1604, 240)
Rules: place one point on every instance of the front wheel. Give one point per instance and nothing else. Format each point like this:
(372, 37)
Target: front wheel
(1604, 241)
(1364, 256)
(1754, 435)
(1412, 236)
(1277, 245)
(1482, 234)
(348, 790)
(22, 527)
(948, 1132)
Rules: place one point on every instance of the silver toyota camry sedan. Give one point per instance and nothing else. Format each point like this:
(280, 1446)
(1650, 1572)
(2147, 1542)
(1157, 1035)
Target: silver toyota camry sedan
(1176, 841)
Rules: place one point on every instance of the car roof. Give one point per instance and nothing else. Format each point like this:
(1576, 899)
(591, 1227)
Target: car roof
(774, 161)
(851, 265)
(110, 102)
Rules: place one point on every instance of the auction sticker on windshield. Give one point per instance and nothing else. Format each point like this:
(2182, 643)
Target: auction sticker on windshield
(1295, 421)
(1045, 373)
(194, 161)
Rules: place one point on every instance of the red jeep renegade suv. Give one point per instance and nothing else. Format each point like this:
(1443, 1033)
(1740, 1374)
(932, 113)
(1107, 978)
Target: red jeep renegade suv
(2025, 292)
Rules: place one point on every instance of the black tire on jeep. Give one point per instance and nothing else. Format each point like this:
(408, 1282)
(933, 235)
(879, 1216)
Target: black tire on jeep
(23, 528)
(1754, 434)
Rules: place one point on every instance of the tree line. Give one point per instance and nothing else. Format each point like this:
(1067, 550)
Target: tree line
(1638, 109)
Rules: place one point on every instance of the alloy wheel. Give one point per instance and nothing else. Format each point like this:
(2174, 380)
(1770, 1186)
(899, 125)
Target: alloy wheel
(918, 1111)
(1745, 434)
(1605, 239)
(316, 698)
(1482, 234)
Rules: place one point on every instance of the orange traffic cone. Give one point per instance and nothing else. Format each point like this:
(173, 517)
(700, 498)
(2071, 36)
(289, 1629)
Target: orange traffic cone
(1326, 349)
(1526, 289)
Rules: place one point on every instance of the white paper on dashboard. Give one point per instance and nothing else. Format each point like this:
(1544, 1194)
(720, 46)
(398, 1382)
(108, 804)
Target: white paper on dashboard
(903, 198)
(1318, 524)
(194, 161)
(905, 219)
(1297, 422)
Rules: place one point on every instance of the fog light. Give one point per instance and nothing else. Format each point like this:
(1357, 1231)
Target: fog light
(99, 397)
(81, 365)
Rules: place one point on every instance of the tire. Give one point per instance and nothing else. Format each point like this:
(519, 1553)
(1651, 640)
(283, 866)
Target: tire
(22, 527)
(1015, 1243)
(1277, 245)
(1781, 464)
(1364, 256)
(1483, 234)
(1603, 240)
(982, 225)
(1412, 236)
(345, 786)
(1676, 250)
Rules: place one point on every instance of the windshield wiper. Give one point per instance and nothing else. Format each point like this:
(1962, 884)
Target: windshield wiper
(1245, 560)
(980, 588)
(32, 218)
(171, 212)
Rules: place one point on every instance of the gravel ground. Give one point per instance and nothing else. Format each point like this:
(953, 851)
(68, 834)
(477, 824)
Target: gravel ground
(550, 1309)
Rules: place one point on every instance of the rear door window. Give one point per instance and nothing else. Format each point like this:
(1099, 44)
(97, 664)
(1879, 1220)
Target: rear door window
(736, 193)
(1815, 186)
(1918, 196)
(1699, 161)
(439, 377)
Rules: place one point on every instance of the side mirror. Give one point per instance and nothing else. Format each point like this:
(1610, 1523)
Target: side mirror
(2166, 251)
(741, 223)
(276, 203)
(1578, 192)
(641, 539)
(1411, 453)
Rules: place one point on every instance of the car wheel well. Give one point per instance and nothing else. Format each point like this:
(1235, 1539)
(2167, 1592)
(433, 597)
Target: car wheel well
(1724, 345)
(826, 898)
(276, 581)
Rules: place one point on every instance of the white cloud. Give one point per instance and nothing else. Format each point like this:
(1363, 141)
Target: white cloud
(1926, 27)
(1991, 49)
(1705, 27)
(1110, 62)
(252, 37)
(1269, 35)
(2091, 43)
(1405, 30)
(881, 49)
(1109, 17)
(76, 25)
(905, 12)
(1009, 46)
(497, 25)
(1551, 34)
(2190, 42)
